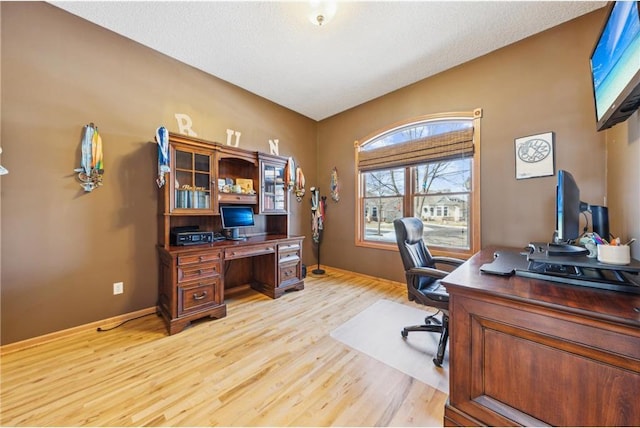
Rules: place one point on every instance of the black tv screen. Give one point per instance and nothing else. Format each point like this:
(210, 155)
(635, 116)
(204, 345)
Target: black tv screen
(615, 65)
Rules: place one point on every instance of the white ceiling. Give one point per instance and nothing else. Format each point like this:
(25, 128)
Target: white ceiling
(369, 48)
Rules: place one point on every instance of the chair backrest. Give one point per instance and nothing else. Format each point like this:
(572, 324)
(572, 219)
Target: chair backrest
(413, 251)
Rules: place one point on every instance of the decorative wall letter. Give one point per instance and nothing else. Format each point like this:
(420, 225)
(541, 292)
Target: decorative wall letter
(184, 124)
(231, 132)
(273, 147)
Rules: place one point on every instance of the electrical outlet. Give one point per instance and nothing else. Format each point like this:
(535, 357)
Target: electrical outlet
(118, 287)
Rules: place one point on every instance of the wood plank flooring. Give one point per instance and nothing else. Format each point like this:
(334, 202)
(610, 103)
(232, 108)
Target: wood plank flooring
(268, 363)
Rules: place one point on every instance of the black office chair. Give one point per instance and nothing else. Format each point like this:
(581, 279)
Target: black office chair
(423, 280)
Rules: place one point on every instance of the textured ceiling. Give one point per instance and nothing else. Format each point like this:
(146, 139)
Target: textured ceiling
(367, 50)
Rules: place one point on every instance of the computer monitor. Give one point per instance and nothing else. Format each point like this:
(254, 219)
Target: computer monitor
(234, 217)
(568, 209)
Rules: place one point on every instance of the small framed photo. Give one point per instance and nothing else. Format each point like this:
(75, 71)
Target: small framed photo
(245, 183)
(534, 156)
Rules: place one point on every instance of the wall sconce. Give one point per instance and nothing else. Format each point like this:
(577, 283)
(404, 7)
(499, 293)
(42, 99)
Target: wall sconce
(322, 11)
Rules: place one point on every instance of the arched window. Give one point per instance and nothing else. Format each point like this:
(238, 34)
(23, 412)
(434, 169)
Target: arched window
(429, 168)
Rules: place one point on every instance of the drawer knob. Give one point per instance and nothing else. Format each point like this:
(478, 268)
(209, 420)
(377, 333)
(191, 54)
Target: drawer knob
(199, 297)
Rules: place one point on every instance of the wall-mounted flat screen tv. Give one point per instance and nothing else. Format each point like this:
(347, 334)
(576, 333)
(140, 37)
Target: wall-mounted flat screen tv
(615, 65)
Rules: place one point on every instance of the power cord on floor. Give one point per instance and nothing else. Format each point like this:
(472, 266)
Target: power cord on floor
(100, 329)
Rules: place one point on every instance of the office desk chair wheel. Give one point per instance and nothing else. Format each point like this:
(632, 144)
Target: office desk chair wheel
(431, 319)
(431, 323)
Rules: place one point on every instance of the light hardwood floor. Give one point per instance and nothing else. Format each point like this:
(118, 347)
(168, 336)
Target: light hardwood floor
(268, 363)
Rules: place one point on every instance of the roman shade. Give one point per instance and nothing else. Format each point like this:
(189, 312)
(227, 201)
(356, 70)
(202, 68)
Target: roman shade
(454, 144)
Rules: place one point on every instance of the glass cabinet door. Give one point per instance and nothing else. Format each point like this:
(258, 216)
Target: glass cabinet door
(273, 188)
(192, 180)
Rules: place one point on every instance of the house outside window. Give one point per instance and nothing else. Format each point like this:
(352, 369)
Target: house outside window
(426, 168)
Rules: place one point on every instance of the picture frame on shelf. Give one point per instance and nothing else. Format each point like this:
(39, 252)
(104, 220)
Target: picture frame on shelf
(246, 184)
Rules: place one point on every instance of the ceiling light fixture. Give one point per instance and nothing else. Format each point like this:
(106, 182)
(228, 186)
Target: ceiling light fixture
(322, 11)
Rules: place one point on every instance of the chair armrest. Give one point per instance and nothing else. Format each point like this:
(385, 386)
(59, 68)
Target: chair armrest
(430, 272)
(448, 260)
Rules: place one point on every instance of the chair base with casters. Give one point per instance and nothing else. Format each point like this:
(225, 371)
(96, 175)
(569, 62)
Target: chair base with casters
(433, 325)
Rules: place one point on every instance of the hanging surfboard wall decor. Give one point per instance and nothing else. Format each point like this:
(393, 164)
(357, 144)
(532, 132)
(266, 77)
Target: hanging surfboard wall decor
(299, 185)
(162, 138)
(92, 161)
(335, 187)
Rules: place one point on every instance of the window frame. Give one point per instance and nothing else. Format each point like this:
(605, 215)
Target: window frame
(474, 204)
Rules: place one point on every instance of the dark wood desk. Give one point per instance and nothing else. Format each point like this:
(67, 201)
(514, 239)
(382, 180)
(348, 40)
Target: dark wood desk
(531, 352)
(192, 279)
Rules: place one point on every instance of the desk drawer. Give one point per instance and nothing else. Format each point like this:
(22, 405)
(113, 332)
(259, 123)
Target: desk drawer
(236, 198)
(289, 257)
(205, 256)
(289, 273)
(290, 246)
(197, 296)
(248, 251)
(198, 271)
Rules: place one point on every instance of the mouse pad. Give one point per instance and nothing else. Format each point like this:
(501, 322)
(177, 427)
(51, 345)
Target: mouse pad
(505, 263)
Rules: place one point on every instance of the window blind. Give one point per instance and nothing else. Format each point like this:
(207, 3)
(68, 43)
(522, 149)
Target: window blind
(454, 144)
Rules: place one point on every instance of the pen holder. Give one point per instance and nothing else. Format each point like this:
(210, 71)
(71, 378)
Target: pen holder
(614, 254)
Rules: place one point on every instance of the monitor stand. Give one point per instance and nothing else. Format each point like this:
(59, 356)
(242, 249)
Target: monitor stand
(235, 235)
(559, 248)
(566, 250)
(551, 249)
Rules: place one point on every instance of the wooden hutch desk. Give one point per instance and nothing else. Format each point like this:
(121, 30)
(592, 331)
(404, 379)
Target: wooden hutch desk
(531, 352)
(203, 177)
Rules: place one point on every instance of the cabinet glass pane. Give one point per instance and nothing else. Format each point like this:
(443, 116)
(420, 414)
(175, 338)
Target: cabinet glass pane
(202, 163)
(269, 187)
(201, 200)
(273, 190)
(269, 202)
(184, 198)
(202, 181)
(192, 180)
(279, 189)
(184, 160)
(279, 199)
(184, 180)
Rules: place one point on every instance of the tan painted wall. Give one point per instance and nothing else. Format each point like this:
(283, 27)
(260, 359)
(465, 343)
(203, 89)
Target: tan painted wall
(62, 249)
(537, 85)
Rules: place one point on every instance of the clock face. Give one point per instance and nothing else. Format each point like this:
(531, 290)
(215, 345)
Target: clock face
(534, 150)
